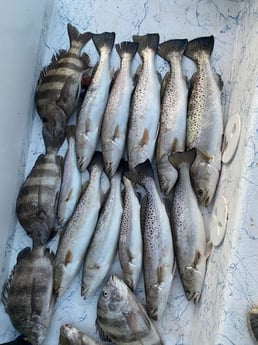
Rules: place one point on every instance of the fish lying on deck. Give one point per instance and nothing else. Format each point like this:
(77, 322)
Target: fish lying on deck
(37, 200)
(28, 294)
(70, 335)
(122, 318)
(59, 87)
(204, 120)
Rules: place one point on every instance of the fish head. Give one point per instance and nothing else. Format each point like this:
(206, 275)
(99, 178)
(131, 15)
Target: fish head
(113, 296)
(61, 279)
(53, 130)
(192, 279)
(68, 335)
(205, 178)
(84, 150)
(39, 230)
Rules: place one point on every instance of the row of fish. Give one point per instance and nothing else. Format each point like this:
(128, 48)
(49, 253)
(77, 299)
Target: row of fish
(137, 114)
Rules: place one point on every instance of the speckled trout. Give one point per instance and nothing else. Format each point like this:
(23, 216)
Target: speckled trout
(130, 249)
(172, 131)
(114, 127)
(204, 120)
(189, 233)
(103, 246)
(76, 237)
(158, 253)
(94, 103)
(122, 318)
(145, 108)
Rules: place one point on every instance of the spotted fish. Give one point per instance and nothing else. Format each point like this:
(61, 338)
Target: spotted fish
(172, 131)
(204, 120)
(59, 87)
(28, 294)
(37, 200)
(145, 107)
(122, 318)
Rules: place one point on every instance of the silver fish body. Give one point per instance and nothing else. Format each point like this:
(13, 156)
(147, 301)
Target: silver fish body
(37, 200)
(28, 294)
(122, 317)
(59, 87)
(71, 183)
(103, 246)
(94, 103)
(171, 137)
(79, 229)
(188, 229)
(70, 335)
(130, 248)
(158, 253)
(114, 127)
(204, 120)
(145, 107)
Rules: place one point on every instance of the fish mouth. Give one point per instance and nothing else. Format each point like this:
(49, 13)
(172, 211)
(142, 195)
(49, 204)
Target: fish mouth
(82, 163)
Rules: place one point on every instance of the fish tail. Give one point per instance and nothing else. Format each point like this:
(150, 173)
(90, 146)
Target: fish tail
(201, 44)
(77, 39)
(126, 47)
(171, 46)
(106, 39)
(178, 158)
(150, 41)
(141, 171)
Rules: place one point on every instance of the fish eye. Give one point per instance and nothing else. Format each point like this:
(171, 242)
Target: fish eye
(105, 294)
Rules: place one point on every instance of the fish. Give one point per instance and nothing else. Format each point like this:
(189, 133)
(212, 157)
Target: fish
(103, 247)
(252, 321)
(204, 129)
(191, 246)
(76, 237)
(59, 87)
(172, 132)
(115, 119)
(37, 201)
(130, 247)
(121, 317)
(28, 293)
(158, 252)
(145, 105)
(18, 341)
(70, 335)
(94, 103)
(71, 181)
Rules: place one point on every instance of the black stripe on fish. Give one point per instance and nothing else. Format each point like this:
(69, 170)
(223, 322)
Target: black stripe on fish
(72, 66)
(49, 94)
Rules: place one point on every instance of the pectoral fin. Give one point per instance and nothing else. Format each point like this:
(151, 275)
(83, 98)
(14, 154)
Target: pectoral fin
(145, 138)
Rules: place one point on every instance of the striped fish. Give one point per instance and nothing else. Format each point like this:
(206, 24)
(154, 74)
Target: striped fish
(37, 200)
(59, 87)
(28, 294)
(121, 317)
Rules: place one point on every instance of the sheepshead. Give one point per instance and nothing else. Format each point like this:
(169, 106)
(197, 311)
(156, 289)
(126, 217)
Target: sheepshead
(158, 253)
(103, 246)
(79, 229)
(130, 238)
(28, 294)
(94, 103)
(145, 108)
(121, 316)
(204, 120)
(188, 229)
(70, 335)
(18, 341)
(59, 87)
(37, 201)
(252, 321)
(114, 127)
(71, 181)
(172, 131)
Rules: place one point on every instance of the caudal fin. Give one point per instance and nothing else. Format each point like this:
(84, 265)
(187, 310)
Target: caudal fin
(105, 39)
(126, 47)
(150, 41)
(199, 45)
(76, 37)
(172, 46)
(141, 171)
(178, 158)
